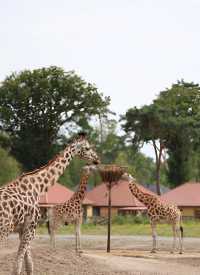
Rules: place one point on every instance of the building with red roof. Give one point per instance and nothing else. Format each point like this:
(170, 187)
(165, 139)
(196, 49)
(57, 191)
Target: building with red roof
(186, 197)
(123, 202)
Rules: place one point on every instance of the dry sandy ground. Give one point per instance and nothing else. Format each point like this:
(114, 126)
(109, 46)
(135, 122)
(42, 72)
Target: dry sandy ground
(129, 256)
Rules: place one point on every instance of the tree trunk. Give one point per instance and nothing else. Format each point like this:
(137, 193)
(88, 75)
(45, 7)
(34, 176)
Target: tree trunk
(158, 179)
(158, 153)
(109, 216)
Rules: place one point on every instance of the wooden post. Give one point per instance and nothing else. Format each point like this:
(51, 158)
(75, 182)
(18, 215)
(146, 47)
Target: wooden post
(109, 216)
(110, 174)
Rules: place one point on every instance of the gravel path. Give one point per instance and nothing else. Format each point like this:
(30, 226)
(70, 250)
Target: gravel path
(129, 256)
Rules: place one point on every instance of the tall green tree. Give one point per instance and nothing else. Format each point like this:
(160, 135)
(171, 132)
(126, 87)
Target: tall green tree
(180, 110)
(171, 123)
(9, 167)
(143, 125)
(36, 106)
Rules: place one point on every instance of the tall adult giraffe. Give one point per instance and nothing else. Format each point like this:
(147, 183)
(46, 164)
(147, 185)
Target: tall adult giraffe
(71, 210)
(19, 209)
(157, 211)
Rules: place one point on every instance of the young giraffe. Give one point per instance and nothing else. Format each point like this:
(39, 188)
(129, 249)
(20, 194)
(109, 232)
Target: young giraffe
(158, 210)
(19, 199)
(71, 210)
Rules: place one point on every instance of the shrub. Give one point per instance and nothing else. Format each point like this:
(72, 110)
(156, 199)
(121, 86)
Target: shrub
(129, 219)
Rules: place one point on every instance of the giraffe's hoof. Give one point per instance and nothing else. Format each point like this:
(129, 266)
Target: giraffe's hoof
(153, 251)
(180, 252)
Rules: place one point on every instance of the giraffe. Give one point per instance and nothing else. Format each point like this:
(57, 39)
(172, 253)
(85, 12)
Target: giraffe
(71, 210)
(157, 211)
(19, 209)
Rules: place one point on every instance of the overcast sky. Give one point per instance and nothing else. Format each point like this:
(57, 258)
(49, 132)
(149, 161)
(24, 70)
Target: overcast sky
(130, 49)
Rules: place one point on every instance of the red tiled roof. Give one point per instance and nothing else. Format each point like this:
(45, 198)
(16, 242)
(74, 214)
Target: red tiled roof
(187, 194)
(121, 195)
(59, 194)
(133, 208)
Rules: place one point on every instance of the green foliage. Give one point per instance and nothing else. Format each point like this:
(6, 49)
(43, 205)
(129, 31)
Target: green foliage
(173, 119)
(35, 105)
(9, 167)
(111, 149)
(71, 176)
(5, 141)
(114, 149)
(180, 111)
(143, 126)
(130, 219)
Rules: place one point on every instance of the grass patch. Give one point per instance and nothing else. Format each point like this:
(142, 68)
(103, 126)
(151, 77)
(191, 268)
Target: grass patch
(191, 229)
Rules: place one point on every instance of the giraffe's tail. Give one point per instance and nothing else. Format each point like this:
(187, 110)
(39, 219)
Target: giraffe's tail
(181, 226)
(48, 227)
(181, 229)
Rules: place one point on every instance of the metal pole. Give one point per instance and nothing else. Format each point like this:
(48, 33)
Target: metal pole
(109, 216)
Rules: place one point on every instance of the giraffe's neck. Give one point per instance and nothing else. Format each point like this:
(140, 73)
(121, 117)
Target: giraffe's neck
(137, 192)
(57, 167)
(39, 181)
(80, 193)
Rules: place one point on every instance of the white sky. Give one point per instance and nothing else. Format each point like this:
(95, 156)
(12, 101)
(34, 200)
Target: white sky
(131, 49)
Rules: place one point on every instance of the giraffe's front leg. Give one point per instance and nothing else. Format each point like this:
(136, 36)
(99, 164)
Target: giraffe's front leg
(154, 237)
(78, 235)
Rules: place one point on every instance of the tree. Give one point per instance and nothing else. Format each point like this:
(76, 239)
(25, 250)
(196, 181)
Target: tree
(36, 106)
(180, 110)
(9, 167)
(144, 126)
(5, 141)
(171, 123)
(142, 167)
(111, 148)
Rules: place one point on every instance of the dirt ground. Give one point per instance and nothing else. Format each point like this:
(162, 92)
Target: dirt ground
(129, 256)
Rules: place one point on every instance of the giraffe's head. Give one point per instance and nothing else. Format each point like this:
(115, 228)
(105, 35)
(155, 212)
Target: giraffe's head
(85, 150)
(88, 169)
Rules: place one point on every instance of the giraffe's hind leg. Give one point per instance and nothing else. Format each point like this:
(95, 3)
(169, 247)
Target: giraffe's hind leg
(177, 231)
(27, 258)
(51, 227)
(24, 248)
(180, 237)
(28, 261)
(174, 230)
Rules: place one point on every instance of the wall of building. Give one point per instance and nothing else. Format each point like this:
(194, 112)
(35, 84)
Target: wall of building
(187, 212)
(89, 211)
(190, 212)
(104, 211)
